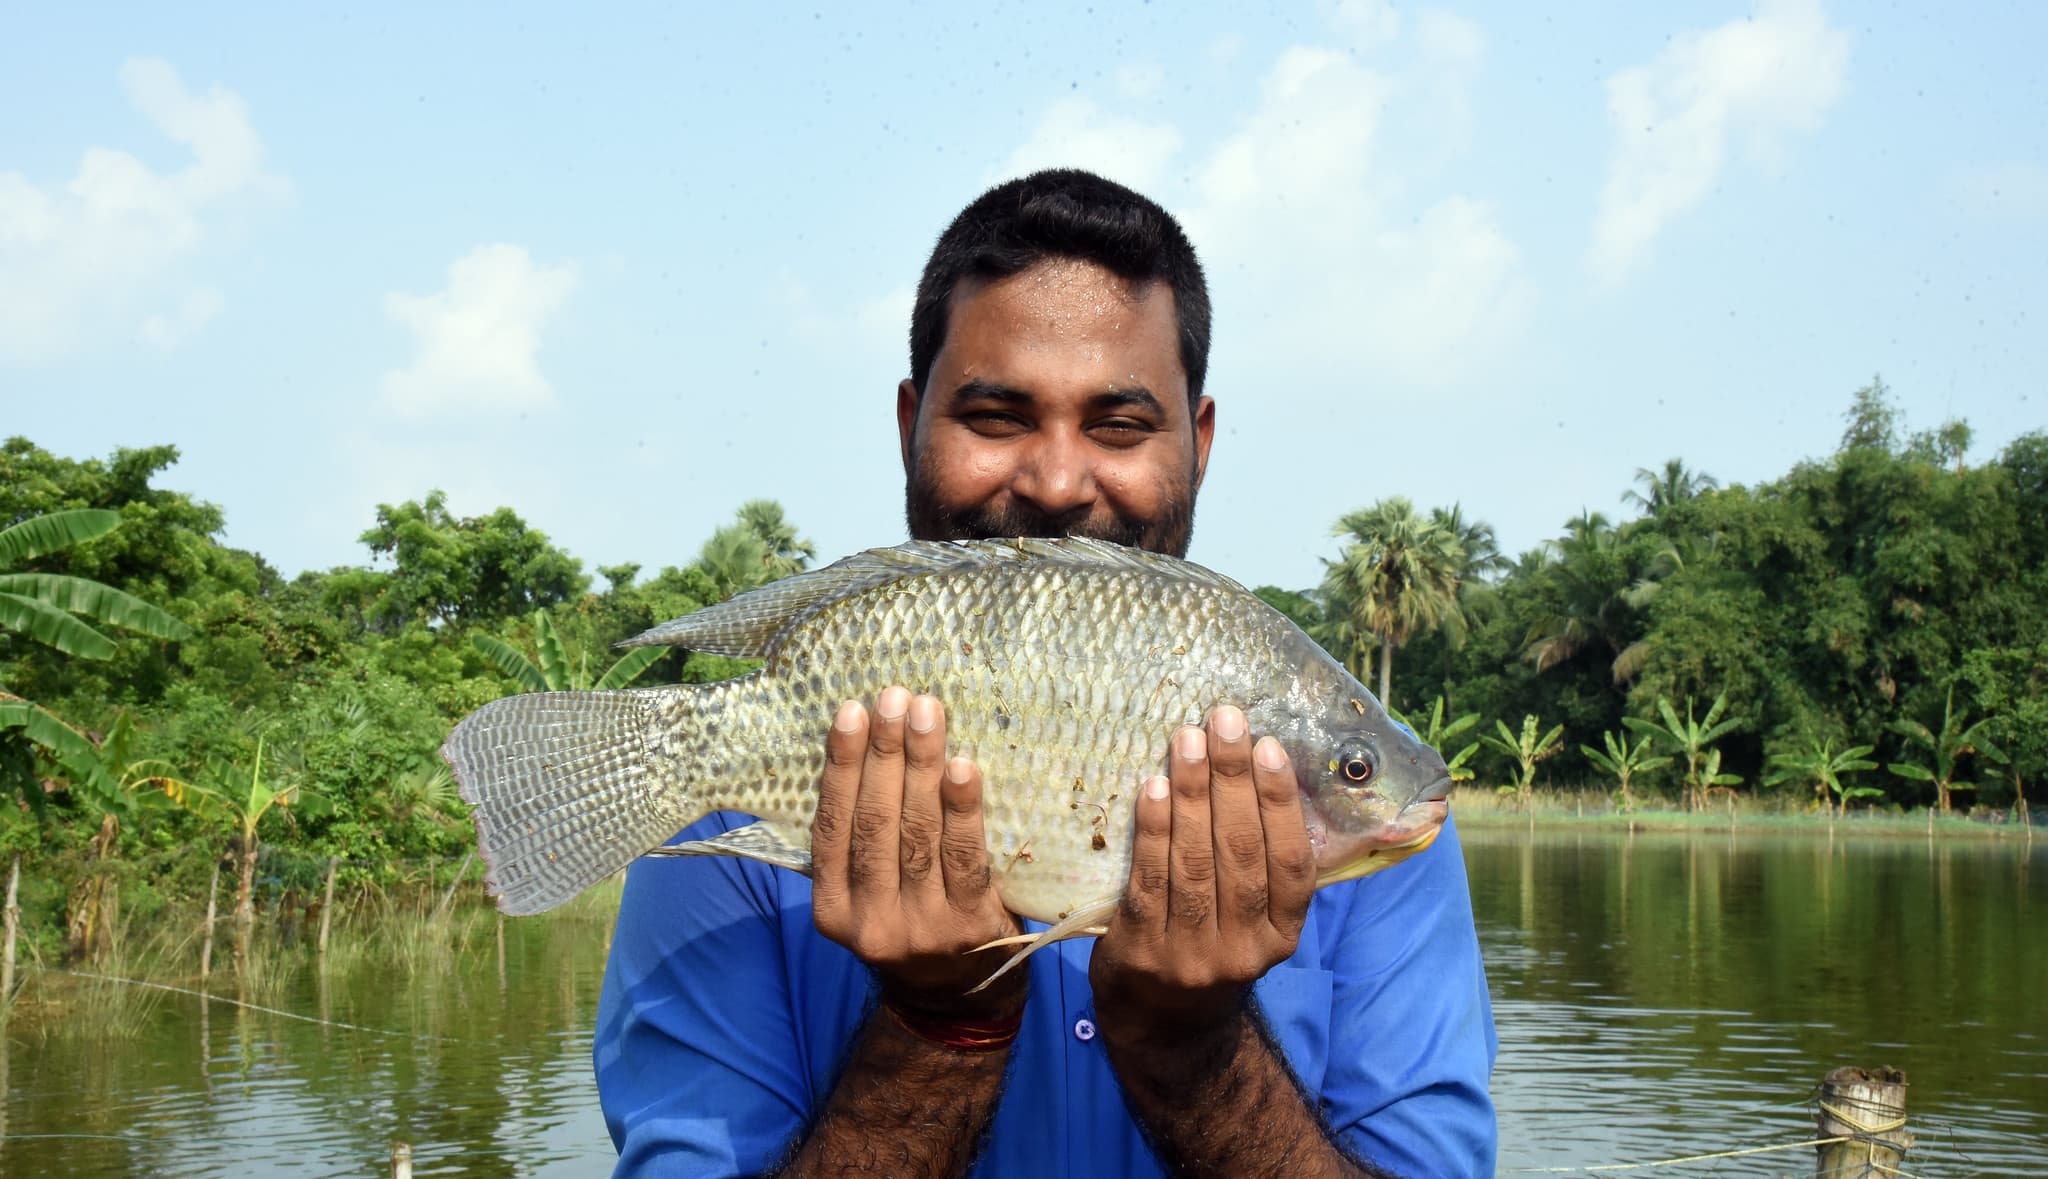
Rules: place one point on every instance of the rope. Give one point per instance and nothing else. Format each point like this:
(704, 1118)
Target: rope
(1861, 1127)
(332, 1023)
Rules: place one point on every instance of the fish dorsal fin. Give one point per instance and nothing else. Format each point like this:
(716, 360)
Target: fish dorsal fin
(747, 626)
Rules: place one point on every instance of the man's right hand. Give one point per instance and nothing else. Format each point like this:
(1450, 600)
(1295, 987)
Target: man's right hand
(900, 868)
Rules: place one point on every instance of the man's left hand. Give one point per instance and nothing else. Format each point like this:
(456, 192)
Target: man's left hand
(1221, 876)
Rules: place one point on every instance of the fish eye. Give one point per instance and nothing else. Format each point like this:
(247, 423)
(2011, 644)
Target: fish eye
(1356, 769)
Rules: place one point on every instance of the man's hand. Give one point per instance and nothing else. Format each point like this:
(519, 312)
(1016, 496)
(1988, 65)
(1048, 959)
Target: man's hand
(1221, 876)
(900, 869)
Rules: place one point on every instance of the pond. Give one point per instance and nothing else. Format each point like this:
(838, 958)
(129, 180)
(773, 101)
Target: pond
(1657, 996)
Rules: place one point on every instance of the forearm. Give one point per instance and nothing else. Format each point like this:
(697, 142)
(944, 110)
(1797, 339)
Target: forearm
(1221, 1102)
(904, 1106)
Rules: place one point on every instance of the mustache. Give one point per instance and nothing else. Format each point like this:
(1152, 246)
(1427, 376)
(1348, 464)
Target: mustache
(930, 518)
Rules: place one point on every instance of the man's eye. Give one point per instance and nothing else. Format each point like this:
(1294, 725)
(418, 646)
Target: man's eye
(1120, 432)
(993, 424)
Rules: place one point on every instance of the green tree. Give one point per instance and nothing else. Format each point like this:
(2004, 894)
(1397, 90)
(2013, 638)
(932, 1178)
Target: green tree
(1944, 750)
(1691, 739)
(1659, 491)
(1397, 576)
(1824, 766)
(1526, 750)
(760, 546)
(240, 796)
(2010, 686)
(465, 570)
(1623, 762)
(552, 672)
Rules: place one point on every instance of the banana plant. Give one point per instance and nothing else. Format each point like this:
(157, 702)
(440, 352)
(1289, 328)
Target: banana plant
(1438, 735)
(551, 672)
(1692, 739)
(1824, 766)
(42, 605)
(1623, 762)
(1526, 750)
(1944, 750)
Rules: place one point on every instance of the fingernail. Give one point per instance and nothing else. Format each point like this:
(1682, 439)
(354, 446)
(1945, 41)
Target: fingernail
(1268, 754)
(894, 700)
(1192, 744)
(1227, 722)
(924, 713)
(847, 719)
(958, 770)
(1155, 788)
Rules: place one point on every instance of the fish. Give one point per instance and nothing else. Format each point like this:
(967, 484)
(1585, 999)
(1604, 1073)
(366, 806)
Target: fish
(1065, 667)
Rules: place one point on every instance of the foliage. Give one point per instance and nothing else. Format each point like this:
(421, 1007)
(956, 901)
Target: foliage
(553, 673)
(1623, 762)
(1945, 750)
(1397, 575)
(1438, 734)
(1825, 766)
(1692, 739)
(1527, 750)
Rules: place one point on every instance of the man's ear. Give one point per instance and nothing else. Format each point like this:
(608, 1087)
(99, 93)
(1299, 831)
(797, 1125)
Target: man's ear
(906, 418)
(1205, 431)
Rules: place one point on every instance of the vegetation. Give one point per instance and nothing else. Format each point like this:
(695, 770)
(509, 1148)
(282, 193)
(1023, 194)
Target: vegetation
(169, 703)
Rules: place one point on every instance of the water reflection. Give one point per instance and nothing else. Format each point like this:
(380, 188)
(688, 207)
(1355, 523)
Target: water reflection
(1657, 996)
(1662, 996)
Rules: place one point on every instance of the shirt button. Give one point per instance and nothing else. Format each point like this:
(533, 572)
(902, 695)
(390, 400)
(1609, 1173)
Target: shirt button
(1084, 1030)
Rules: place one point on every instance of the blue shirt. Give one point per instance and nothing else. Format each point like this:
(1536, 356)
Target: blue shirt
(726, 1016)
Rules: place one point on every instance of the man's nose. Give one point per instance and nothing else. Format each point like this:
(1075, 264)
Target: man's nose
(1056, 476)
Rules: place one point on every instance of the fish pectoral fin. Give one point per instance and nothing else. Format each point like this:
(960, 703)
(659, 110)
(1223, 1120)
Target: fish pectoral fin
(1085, 921)
(760, 840)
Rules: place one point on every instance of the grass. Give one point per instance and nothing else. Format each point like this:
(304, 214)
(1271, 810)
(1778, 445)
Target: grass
(1481, 806)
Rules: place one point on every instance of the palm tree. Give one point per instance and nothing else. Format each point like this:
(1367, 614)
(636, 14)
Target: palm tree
(1672, 485)
(1482, 559)
(551, 672)
(759, 547)
(1597, 593)
(787, 552)
(1396, 577)
(1947, 749)
(41, 605)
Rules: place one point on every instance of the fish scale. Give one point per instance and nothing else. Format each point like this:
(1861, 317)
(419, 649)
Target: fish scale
(1065, 667)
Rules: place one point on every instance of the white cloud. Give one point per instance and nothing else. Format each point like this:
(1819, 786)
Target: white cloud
(1076, 133)
(1368, 23)
(1313, 228)
(479, 338)
(193, 312)
(73, 253)
(1755, 81)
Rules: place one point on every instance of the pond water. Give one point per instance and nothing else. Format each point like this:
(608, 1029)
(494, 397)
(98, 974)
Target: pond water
(1657, 996)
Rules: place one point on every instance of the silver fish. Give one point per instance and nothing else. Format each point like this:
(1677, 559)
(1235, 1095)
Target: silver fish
(1065, 667)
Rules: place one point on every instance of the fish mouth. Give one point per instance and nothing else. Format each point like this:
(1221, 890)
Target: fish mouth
(1408, 833)
(1436, 791)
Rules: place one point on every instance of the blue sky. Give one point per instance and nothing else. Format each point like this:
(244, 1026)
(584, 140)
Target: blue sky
(623, 267)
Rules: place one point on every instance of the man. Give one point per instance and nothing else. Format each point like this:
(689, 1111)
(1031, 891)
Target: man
(1232, 1021)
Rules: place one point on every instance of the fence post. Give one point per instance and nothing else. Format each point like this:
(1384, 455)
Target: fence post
(448, 898)
(327, 902)
(206, 942)
(401, 1160)
(1868, 1108)
(13, 928)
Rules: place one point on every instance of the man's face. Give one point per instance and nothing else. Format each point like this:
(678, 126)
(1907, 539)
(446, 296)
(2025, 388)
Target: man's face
(1056, 407)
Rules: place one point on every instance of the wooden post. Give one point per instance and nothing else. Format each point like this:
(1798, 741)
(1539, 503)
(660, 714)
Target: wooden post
(327, 903)
(13, 930)
(448, 897)
(206, 942)
(401, 1160)
(1868, 1107)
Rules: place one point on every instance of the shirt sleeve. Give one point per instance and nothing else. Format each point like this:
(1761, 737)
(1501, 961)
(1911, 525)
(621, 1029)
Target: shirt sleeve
(1412, 1040)
(699, 1074)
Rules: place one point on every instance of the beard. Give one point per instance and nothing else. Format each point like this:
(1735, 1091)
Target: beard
(929, 518)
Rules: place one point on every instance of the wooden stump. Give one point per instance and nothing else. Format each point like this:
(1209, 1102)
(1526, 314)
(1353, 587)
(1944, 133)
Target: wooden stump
(1868, 1108)
(401, 1160)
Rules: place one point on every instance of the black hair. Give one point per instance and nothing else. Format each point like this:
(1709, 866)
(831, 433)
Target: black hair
(1063, 213)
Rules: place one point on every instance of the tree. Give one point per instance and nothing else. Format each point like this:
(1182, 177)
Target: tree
(465, 571)
(1824, 766)
(1873, 419)
(760, 546)
(1526, 750)
(1692, 739)
(1623, 762)
(41, 605)
(1946, 750)
(1661, 490)
(243, 798)
(552, 672)
(1594, 582)
(1396, 577)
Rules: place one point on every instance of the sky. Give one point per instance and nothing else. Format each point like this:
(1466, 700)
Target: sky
(622, 267)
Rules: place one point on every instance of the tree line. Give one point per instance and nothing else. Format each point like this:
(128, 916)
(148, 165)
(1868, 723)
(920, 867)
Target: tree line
(1872, 625)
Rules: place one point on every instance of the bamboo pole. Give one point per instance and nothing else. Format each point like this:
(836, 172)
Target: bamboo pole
(448, 897)
(1867, 1107)
(327, 902)
(13, 931)
(206, 942)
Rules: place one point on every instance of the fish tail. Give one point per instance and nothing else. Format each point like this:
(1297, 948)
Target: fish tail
(565, 790)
